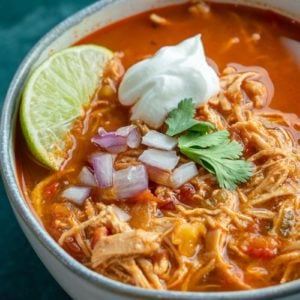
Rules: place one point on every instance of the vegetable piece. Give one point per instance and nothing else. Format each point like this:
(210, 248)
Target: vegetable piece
(182, 119)
(50, 190)
(101, 130)
(132, 134)
(164, 160)
(131, 181)
(111, 142)
(145, 196)
(187, 191)
(203, 127)
(76, 194)
(186, 236)
(168, 206)
(213, 150)
(134, 138)
(86, 177)
(143, 214)
(222, 160)
(159, 176)
(193, 139)
(260, 247)
(103, 167)
(183, 174)
(122, 215)
(159, 140)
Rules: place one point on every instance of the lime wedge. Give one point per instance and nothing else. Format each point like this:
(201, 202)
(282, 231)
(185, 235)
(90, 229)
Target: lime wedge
(55, 96)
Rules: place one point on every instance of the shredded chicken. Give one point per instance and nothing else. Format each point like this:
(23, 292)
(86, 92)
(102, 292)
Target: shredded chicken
(199, 7)
(135, 242)
(189, 242)
(158, 20)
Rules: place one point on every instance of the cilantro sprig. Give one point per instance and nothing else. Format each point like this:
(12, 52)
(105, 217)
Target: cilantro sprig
(212, 149)
(182, 118)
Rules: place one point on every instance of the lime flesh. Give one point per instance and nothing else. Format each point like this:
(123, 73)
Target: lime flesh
(55, 96)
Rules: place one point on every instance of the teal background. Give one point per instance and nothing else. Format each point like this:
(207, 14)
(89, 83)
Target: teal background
(22, 24)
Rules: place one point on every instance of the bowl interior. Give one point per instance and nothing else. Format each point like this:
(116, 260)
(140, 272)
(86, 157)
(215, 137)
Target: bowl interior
(73, 29)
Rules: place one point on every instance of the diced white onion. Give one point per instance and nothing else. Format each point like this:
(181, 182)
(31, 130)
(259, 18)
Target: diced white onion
(184, 173)
(165, 160)
(131, 181)
(159, 140)
(159, 176)
(86, 177)
(120, 213)
(76, 194)
(103, 168)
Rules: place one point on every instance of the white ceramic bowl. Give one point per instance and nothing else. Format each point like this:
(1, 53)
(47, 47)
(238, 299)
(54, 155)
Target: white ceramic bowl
(78, 281)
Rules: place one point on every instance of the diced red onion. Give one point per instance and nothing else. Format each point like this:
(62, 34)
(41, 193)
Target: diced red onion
(76, 194)
(134, 138)
(95, 154)
(164, 160)
(111, 142)
(159, 176)
(133, 135)
(120, 213)
(86, 177)
(103, 168)
(184, 173)
(131, 181)
(117, 142)
(159, 140)
(124, 131)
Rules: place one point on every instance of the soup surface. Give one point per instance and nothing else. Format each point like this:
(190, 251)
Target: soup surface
(197, 237)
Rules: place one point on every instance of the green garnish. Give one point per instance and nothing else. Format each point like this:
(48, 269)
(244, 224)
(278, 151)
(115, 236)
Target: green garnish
(182, 119)
(210, 148)
(192, 139)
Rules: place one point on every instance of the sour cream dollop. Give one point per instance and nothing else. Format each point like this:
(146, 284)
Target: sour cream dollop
(156, 85)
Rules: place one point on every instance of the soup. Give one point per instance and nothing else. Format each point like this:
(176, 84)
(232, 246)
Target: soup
(214, 222)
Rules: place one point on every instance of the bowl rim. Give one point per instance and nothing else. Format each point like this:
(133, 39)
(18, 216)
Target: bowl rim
(23, 210)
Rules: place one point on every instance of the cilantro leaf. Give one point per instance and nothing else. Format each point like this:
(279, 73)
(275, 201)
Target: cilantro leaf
(203, 127)
(192, 139)
(229, 172)
(222, 160)
(226, 149)
(181, 118)
(210, 148)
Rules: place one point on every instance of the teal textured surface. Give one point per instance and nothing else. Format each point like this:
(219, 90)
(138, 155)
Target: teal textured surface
(22, 24)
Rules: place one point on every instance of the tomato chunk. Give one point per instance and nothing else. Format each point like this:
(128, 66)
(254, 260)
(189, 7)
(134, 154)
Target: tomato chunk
(187, 191)
(261, 247)
(51, 190)
(145, 196)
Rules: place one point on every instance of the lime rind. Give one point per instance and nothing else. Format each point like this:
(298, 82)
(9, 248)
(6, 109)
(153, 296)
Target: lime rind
(55, 96)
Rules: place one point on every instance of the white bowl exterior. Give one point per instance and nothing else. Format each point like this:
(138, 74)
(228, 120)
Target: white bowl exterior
(76, 286)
